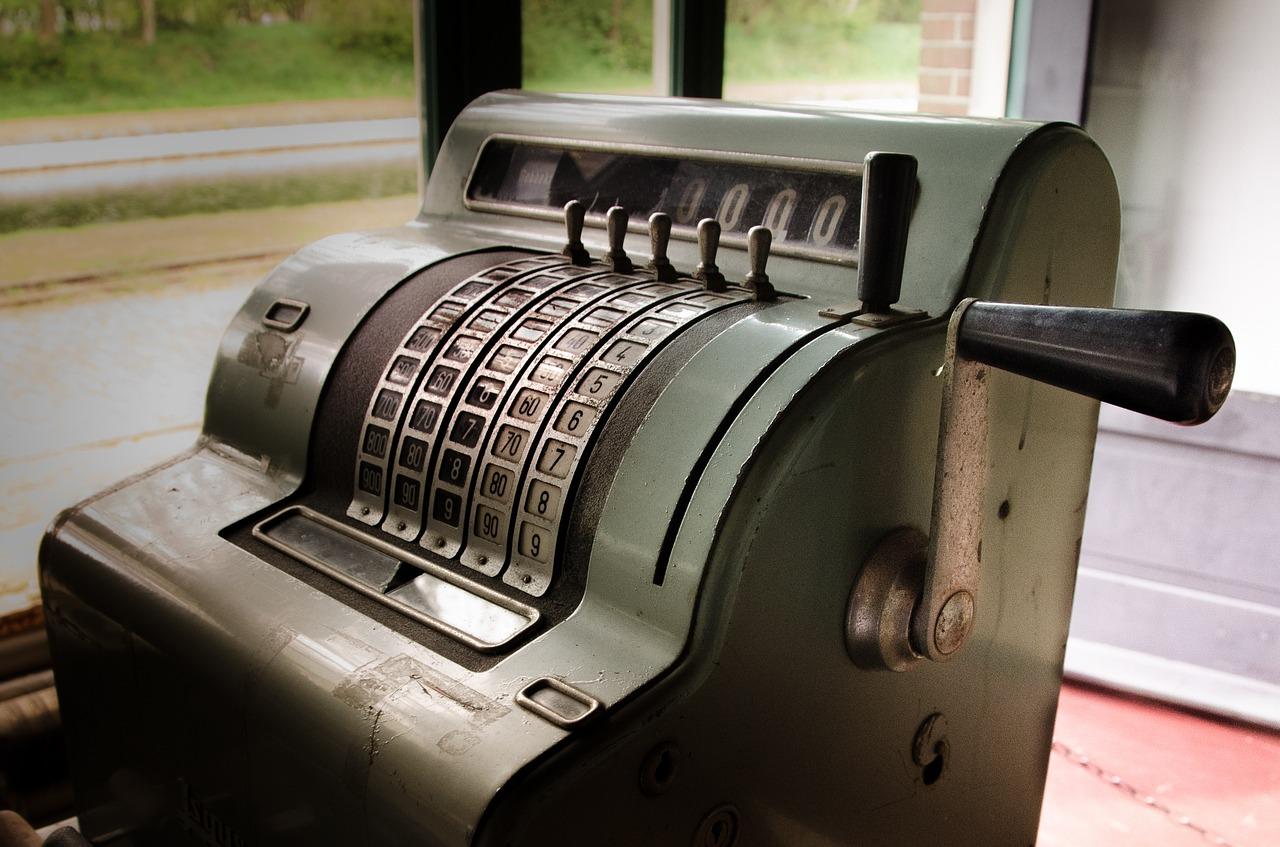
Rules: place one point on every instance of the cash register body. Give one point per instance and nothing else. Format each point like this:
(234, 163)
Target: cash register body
(213, 696)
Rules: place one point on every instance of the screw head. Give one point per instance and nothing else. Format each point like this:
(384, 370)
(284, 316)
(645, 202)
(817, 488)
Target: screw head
(659, 769)
(954, 622)
(718, 829)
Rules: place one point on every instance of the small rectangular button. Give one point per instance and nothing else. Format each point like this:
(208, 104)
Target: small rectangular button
(386, 405)
(557, 308)
(557, 458)
(584, 291)
(679, 311)
(542, 500)
(370, 478)
(534, 542)
(489, 524)
(447, 312)
(551, 370)
(413, 453)
(624, 353)
(575, 419)
(472, 290)
(486, 321)
(447, 507)
(599, 383)
(466, 429)
(511, 443)
(506, 358)
(375, 441)
(528, 405)
(463, 349)
(402, 370)
(651, 329)
(441, 380)
(631, 300)
(603, 317)
(531, 330)
(496, 484)
(422, 339)
(406, 492)
(513, 299)
(576, 341)
(484, 393)
(454, 467)
(424, 416)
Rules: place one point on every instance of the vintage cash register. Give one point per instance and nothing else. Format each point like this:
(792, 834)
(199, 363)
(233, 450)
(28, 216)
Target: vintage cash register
(686, 473)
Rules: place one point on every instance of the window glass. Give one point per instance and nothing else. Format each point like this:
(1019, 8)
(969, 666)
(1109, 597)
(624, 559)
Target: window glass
(835, 52)
(601, 46)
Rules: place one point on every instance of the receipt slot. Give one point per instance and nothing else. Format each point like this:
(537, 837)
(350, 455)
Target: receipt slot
(599, 503)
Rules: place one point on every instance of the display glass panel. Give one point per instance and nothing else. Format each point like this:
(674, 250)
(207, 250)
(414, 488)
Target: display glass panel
(811, 207)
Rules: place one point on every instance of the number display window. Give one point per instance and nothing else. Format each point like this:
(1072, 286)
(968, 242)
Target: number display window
(810, 206)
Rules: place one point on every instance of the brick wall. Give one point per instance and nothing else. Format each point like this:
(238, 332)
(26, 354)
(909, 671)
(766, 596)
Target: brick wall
(946, 55)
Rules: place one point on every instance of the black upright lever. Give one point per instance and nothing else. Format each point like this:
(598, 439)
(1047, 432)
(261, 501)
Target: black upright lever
(1171, 365)
(888, 197)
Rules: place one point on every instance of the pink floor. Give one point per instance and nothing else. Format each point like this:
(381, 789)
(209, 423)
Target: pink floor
(1126, 771)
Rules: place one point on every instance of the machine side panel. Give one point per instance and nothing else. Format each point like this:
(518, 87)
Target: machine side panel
(834, 473)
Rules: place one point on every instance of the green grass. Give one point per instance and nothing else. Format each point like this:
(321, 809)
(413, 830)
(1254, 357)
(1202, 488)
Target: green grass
(825, 52)
(240, 64)
(230, 66)
(800, 51)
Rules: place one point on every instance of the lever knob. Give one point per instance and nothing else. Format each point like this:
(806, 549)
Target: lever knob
(615, 225)
(759, 239)
(575, 214)
(659, 237)
(888, 196)
(708, 244)
(1176, 366)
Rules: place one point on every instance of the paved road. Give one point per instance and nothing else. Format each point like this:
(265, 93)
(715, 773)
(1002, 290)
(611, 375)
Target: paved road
(84, 166)
(100, 381)
(95, 390)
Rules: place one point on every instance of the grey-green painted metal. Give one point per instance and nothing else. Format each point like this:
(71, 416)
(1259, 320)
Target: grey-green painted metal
(205, 690)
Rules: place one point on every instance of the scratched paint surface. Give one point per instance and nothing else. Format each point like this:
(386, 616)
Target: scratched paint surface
(1130, 772)
(95, 387)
